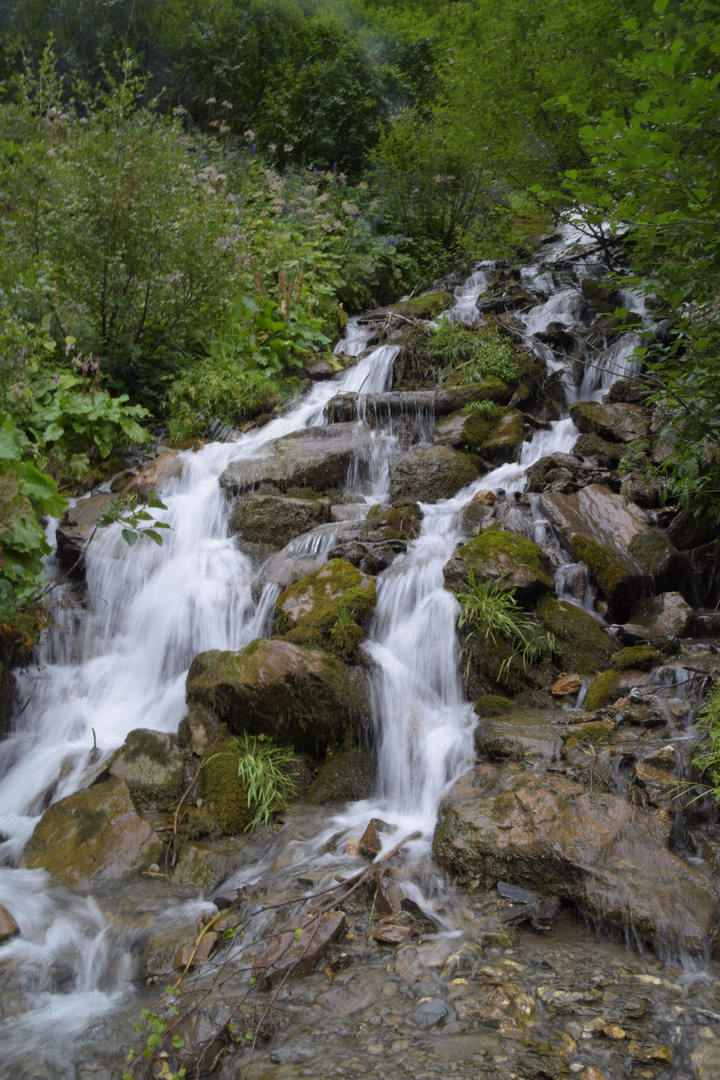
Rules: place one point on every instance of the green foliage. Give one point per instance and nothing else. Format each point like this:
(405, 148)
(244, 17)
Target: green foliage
(471, 355)
(262, 771)
(494, 614)
(133, 518)
(707, 758)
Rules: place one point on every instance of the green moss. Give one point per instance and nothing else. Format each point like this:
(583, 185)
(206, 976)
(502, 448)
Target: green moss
(611, 575)
(226, 798)
(592, 734)
(489, 705)
(603, 690)
(346, 776)
(643, 657)
(400, 521)
(582, 647)
(493, 543)
(334, 596)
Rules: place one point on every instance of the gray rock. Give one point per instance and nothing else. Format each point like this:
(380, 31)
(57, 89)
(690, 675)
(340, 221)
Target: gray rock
(430, 473)
(154, 769)
(275, 520)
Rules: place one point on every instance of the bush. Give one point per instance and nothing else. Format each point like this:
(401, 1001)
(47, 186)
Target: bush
(469, 356)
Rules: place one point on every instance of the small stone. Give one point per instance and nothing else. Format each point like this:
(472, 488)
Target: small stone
(592, 1074)
(429, 1011)
(484, 497)
(370, 842)
(185, 952)
(391, 934)
(8, 927)
(650, 1054)
(612, 1031)
(566, 684)
(375, 1049)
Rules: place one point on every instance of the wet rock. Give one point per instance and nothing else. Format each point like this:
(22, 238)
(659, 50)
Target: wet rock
(605, 454)
(619, 423)
(154, 769)
(489, 705)
(688, 530)
(372, 544)
(428, 1012)
(199, 730)
(592, 1073)
(627, 390)
(154, 476)
(521, 736)
(566, 685)
(665, 757)
(615, 539)
(298, 947)
(195, 954)
(660, 786)
(275, 520)
(206, 864)
(390, 933)
(75, 531)
(344, 777)
(93, 836)
(705, 1060)
(352, 997)
(582, 645)
(504, 558)
(316, 458)
(507, 1008)
(429, 473)
(592, 849)
(327, 607)
(515, 299)
(319, 371)
(640, 657)
(157, 959)
(370, 842)
(662, 617)
(505, 441)
(299, 697)
(8, 927)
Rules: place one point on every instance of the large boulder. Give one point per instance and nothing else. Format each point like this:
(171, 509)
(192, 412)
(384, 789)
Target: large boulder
(153, 477)
(344, 777)
(275, 520)
(588, 847)
(93, 836)
(316, 458)
(75, 531)
(327, 607)
(504, 442)
(616, 422)
(582, 645)
(507, 559)
(373, 543)
(300, 697)
(430, 473)
(616, 540)
(661, 617)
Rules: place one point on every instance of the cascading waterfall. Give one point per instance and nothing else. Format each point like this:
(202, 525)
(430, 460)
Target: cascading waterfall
(121, 662)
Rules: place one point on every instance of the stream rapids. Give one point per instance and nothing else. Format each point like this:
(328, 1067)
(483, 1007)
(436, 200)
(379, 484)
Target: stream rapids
(463, 999)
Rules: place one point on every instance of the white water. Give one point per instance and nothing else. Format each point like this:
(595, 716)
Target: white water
(122, 663)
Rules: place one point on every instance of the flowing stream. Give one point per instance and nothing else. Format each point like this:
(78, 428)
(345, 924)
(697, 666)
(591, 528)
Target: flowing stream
(119, 661)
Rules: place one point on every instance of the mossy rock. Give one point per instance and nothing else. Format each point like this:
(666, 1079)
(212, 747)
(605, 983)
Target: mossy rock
(299, 697)
(654, 552)
(430, 473)
(401, 521)
(93, 836)
(582, 646)
(616, 579)
(468, 428)
(509, 559)
(596, 733)
(603, 691)
(225, 797)
(503, 444)
(327, 607)
(427, 306)
(154, 769)
(590, 445)
(344, 777)
(275, 520)
(640, 657)
(490, 705)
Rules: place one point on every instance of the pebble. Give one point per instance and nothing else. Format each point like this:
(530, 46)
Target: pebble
(374, 1049)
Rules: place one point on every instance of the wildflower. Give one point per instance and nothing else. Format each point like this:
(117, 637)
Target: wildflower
(323, 198)
(227, 104)
(288, 147)
(180, 110)
(249, 134)
(211, 101)
(224, 128)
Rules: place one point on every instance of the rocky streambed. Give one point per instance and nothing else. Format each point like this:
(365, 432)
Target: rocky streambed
(494, 861)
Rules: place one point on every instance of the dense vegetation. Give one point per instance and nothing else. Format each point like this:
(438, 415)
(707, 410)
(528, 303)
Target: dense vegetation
(193, 195)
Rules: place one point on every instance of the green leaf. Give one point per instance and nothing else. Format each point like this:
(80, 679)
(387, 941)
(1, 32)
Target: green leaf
(659, 7)
(129, 537)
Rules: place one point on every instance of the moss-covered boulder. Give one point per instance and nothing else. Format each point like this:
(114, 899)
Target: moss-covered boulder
(604, 690)
(207, 863)
(520, 735)
(224, 795)
(640, 657)
(275, 520)
(373, 543)
(582, 645)
(430, 473)
(467, 429)
(93, 836)
(508, 559)
(300, 697)
(505, 441)
(426, 306)
(591, 848)
(606, 454)
(154, 769)
(327, 607)
(316, 458)
(616, 540)
(491, 705)
(344, 777)
(616, 422)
